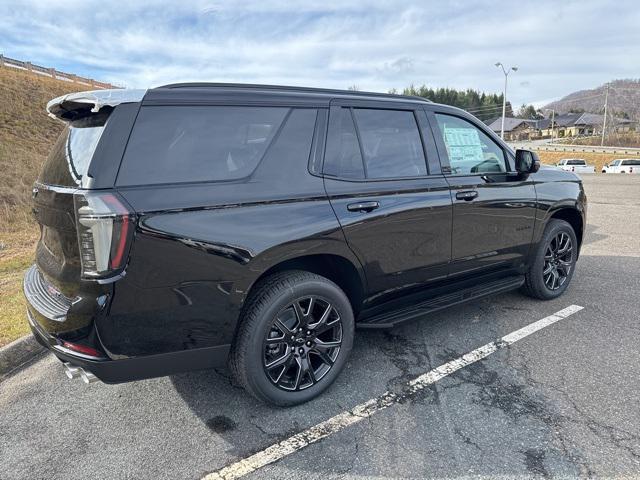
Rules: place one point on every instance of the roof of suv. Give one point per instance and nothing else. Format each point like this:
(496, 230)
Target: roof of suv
(183, 91)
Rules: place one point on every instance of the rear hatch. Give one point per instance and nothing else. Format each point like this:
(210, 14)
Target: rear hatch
(65, 170)
(85, 232)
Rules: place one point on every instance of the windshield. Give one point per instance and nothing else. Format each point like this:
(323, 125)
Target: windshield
(69, 158)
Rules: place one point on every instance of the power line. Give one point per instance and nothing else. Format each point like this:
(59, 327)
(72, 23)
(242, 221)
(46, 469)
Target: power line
(578, 99)
(479, 109)
(485, 112)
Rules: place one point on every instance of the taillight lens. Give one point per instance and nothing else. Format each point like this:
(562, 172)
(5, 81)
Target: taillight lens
(105, 228)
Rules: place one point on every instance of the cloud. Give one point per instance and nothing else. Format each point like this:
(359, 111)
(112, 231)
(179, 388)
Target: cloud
(378, 45)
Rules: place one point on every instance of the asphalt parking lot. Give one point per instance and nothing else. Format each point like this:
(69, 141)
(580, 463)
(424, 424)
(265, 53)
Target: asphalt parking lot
(562, 402)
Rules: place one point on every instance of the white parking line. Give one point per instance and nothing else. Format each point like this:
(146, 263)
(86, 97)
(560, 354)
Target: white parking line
(364, 410)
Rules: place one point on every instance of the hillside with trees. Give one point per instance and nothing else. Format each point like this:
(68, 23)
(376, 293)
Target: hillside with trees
(623, 101)
(485, 106)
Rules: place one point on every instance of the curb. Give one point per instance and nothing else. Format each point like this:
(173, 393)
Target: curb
(17, 353)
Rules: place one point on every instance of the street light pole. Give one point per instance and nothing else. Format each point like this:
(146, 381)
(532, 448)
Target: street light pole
(504, 95)
(604, 120)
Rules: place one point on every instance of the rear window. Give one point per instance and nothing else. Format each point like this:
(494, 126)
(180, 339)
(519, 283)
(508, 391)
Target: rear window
(200, 143)
(576, 162)
(391, 143)
(69, 160)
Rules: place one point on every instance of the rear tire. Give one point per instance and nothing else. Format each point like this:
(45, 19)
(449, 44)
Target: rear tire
(554, 262)
(294, 338)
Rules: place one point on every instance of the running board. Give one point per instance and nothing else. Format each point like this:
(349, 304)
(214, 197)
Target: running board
(393, 318)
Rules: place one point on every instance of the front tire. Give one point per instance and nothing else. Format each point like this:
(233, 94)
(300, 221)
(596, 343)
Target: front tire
(554, 263)
(294, 338)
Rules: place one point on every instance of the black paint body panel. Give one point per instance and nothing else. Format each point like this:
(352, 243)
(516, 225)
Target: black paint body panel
(200, 247)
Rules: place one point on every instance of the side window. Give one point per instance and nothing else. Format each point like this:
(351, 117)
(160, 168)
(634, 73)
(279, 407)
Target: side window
(199, 143)
(470, 150)
(343, 158)
(391, 143)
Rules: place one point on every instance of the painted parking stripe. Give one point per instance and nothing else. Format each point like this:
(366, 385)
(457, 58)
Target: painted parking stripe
(364, 410)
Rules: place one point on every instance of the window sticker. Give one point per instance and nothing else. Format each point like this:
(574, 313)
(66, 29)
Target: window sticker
(463, 145)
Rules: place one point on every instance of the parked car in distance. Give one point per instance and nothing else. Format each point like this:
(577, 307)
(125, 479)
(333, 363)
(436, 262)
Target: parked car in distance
(623, 165)
(192, 226)
(576, 165)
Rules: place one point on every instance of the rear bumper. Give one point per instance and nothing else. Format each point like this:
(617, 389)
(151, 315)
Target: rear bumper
(47, 314)
(139, 368)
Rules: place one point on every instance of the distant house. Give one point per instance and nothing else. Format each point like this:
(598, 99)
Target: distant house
(581, 124)
(565, 125)
(515, 129)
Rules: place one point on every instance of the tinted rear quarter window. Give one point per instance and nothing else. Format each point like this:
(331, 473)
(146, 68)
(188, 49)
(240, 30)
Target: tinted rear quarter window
(391, 143)
(176, 144)
(343, 157)
(69, 159)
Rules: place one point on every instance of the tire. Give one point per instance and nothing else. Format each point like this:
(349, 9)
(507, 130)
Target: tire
(538, 282)
(271, 315)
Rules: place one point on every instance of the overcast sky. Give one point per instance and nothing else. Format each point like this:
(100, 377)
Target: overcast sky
(558, 46)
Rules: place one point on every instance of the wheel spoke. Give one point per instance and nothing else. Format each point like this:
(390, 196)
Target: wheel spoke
(564, 246)
(323, 317)
(547, 270)
(279, 361)
(547, 279)
(323, 356)
(296, 383)
(282, 327)
(307, 369)
(300, 314)
(326, 346)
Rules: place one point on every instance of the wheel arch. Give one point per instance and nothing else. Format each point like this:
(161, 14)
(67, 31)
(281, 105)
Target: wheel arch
(573, 217)
(340, 270)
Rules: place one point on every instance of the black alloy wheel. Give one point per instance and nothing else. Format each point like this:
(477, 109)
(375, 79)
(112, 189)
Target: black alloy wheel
(558, 261)
(553, 262)
(302, 344)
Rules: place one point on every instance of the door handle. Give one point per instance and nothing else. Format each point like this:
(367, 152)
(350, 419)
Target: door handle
(467, 195)
(363, 206)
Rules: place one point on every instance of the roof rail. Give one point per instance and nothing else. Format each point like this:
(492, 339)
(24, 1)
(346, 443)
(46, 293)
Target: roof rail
(291, 88)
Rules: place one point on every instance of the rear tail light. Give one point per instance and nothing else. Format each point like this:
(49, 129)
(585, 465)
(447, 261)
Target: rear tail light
(105, 228)
(84, 349)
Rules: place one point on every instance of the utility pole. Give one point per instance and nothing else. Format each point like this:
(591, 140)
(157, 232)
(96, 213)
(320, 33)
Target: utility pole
(604, 122)
(553, 119)
(504, 95)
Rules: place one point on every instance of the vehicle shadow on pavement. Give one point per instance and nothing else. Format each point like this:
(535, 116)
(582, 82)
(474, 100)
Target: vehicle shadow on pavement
(386, 360)
(591, 235)
(510, 414)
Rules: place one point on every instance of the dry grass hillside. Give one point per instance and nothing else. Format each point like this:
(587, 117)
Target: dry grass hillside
(26, 132)
(26, 135)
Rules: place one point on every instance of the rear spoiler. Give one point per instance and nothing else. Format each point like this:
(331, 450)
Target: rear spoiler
(73, 105)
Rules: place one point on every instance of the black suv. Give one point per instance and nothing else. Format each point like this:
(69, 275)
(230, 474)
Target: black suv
(194, 225)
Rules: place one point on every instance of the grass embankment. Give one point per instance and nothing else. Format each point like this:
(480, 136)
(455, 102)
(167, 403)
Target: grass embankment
(26, 135)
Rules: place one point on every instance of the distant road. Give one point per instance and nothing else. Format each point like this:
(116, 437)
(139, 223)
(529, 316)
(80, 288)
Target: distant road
(543, 145)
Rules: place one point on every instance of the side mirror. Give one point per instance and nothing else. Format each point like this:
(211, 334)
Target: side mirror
(527, 162)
